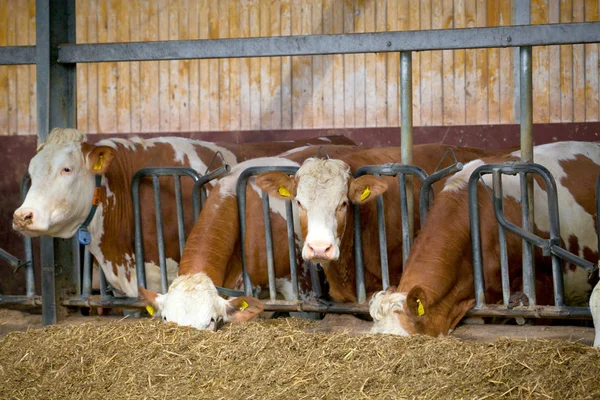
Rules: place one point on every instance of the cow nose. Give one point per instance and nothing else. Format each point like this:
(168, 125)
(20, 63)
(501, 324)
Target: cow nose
(320, 250)
(23, 217)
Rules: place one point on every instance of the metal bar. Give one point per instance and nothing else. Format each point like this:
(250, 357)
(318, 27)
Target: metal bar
(9, 258)
(86, 287)
(17, 55)
(180, 219)
(406, 140)
(426, 193)
(493, 310)
(28, 243)
(103, 285)
(22, 300)
(404, 212)
(444, 39)
(476, 239)
(48, 282)
(385, 271)
(292, 247)
(497, 182)
(361, 292)
(269, 246)
(598, 209)
(160, 236)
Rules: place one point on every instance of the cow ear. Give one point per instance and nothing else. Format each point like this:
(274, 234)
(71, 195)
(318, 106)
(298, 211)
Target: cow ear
(366, 188)
(152, 299)
(416, 302)
(244, 308)
(277, 184)
(99, 159)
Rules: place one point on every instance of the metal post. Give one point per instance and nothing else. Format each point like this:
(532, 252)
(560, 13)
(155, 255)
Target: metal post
(526, 180)
(55, 24)
(406, 138)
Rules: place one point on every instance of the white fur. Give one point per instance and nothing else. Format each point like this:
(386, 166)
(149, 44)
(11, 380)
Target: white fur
(382, 308)
(595, 309)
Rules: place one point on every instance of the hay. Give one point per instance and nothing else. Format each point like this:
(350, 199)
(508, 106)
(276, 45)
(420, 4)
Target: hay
(278, 359)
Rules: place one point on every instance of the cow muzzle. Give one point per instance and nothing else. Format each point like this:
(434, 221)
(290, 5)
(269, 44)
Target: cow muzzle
(319, 250)
(23, 219)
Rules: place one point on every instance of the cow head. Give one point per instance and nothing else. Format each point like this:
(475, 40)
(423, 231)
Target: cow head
(62, 184)
(323, 190)
(193, 300)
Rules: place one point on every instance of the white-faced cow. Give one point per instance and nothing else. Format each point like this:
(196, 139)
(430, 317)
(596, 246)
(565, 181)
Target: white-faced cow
(436, 288)
(323, 190)
(63, 174)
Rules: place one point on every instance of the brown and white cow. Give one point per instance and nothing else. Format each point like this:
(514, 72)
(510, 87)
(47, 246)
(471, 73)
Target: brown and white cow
(323, 189)
(436, 288)
(60, 198)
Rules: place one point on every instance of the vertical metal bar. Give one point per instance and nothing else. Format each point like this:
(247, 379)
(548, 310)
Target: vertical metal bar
(55, 24)
(406, 139)
(103, 284)
(160, 240)
(241, 193)
(521, 11)
(361, 292)
(269, 244)
(86, 289)
(554, 222)
(526, 181)
(497, 184)
(292, 243)
(476, 240)
(140, 268)
(385, 272)
(197, 193)
(405, 219)
(598, 210)
(180, 220)
(28, 245)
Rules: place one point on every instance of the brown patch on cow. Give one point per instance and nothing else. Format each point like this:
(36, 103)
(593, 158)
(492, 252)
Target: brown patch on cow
(580, 180)
(573, 248)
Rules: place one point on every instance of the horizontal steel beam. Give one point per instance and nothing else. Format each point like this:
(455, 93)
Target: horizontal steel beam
(14, 55)
(468, 38)
(551, 312)
(20, 300)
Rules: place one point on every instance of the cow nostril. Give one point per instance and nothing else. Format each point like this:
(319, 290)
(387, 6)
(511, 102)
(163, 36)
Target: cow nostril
(28, 216)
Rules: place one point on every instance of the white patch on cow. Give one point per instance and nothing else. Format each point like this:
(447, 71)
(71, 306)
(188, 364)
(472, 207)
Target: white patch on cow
(460, 180)
(595, 310)
(153, 280)
(192, 300)
(383, 307)
(325, 139)
(322, 187)
(295, 150)
(184, 148)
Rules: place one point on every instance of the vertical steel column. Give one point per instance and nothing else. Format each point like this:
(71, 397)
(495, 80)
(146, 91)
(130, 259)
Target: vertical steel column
(526, 180)
(269, 246)
(361, 292)
(28, 244)
(55, 24)
(160, 236)
(406, 138)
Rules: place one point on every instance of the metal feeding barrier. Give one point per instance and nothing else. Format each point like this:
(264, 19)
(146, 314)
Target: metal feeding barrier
(550, 247)
(400, 171)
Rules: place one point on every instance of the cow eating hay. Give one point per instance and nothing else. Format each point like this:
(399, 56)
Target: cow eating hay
(280, 359)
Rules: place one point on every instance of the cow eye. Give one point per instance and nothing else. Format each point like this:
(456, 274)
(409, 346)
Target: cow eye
(343, 205)
(67, 170)
(299, 204)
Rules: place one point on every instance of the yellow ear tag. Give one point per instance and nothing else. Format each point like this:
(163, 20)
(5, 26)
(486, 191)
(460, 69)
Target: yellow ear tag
(284, 192)
(366, 193)
(98, 165)
(244, 305)
(420, 308)
(150, 310)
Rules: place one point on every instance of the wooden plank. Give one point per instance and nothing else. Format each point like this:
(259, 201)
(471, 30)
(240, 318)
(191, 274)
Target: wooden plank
(540, 64)
(12, 72)
(234, 69)
(481, 107)
(4, 103)
(381, 73)
(578, 68)
(349, 97)
(173, 76)
(471, 67)
(459, 111)
(224, 93)
(338, 68)
(244, 69)
(93, 77)
(32, 76)
(183, 94)
(164, 69)
(448, 67)
(437, 110)
(194, 33)
(275, 81)
(414, 18)
(255, 117)
(306, 69)
(265, 67)
(123, 70)
(426, 71)
(370, 70)
(493, 60)
(566, 67)
(592, 106)
(506, 70)
(327, 81)
(135, 68)
(286, 69)
(83, 10)
(554, 77)
(150, 89)
(106, 77)
(393, 69)
(359, 68)
(213, 68)
(317, 62)
(205, 101)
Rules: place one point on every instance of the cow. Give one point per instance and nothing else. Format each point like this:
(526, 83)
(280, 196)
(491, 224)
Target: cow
(63, 175)
(436, 289)
(322, 190)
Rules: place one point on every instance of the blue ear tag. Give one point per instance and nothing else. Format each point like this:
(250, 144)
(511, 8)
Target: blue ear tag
(83, 236)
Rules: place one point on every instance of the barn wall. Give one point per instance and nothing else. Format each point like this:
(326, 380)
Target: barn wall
(463, 87)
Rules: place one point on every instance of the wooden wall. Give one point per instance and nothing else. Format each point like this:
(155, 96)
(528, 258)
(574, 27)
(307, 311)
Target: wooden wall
(463, 87)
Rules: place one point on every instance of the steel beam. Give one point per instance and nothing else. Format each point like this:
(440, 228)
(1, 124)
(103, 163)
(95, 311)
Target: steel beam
(15, 55)
(381, 42)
